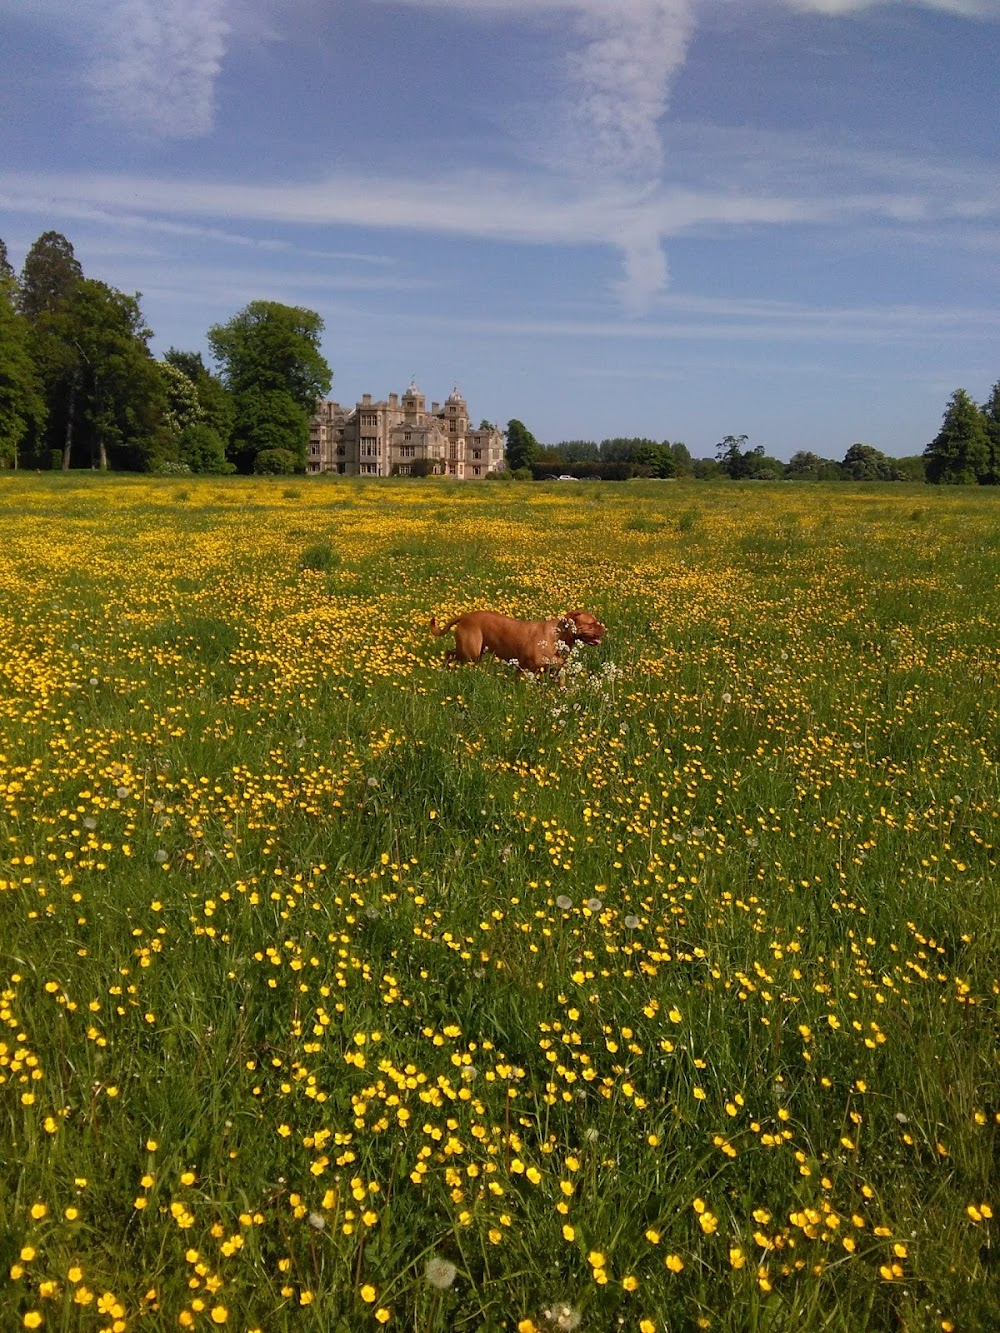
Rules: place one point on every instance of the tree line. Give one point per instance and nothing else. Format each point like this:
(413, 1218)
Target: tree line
(80, 387)
(965, 451)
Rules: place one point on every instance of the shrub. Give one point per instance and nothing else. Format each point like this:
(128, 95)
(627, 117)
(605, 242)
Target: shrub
(274, 463)
(170, 468)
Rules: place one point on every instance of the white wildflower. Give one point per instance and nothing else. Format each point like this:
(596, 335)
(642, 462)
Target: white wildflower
(563, 1316)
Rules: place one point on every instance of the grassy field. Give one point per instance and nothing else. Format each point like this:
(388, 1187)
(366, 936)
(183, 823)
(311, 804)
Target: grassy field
(340, 990)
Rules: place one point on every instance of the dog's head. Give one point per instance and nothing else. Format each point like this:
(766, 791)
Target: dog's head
(582, 627)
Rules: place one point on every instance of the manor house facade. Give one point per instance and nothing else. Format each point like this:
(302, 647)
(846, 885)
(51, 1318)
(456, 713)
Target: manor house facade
(392, 436)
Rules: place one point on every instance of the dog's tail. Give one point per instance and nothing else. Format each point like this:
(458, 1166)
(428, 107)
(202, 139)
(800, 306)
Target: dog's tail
(443, 629)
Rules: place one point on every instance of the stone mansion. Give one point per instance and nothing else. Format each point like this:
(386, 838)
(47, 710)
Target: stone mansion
(387, 438)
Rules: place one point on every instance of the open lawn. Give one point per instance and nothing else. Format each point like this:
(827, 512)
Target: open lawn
(340, 990)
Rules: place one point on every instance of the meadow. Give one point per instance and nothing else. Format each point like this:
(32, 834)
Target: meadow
(339, 990)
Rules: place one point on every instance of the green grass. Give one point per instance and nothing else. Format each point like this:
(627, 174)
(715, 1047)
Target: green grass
(696, 957)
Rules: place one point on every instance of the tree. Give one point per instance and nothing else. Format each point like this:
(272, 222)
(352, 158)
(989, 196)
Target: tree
(272, 365)
(574, 451)
(657, 457)
(765, 468)
(804, 466)
(863, 462)
(49, 278)
(122, 401)
(959, 454)
(522, 447)
(51, 272)
(705, 469)
(22, 403)
(195, 442)
(991, 418)
(910, 468)
(739, 463)
(682, 458)
(215, 402)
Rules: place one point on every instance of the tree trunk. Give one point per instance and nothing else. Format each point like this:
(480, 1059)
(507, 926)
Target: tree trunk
(70, 415)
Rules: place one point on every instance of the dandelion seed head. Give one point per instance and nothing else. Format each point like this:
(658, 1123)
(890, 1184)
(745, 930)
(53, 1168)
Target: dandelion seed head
(440, 1273)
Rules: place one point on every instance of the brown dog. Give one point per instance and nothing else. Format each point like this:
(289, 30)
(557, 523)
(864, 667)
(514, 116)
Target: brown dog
(534, 645)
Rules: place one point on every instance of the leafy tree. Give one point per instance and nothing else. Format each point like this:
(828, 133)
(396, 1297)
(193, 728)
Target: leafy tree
(682, 458)
(959, 454)
(522, 447)
(50, 277)
(50, 274)
(763, 467)
(272, 365)
(657, 457)
(22, 404)
(863, 462)
(740, 463)
(805, 466)
(991, 418)
(122, 398)
(214, 399)
(183, 407)
(573, 451)
(910, 468)
(705, 469)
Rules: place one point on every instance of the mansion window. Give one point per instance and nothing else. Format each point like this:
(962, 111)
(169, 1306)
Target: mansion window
(407, 451)
(477, 453)
(370, 447)
(369, 469)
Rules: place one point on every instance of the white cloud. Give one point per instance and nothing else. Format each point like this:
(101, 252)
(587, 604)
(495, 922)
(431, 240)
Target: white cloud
(155, 63)
(623, 74)
(965, 8)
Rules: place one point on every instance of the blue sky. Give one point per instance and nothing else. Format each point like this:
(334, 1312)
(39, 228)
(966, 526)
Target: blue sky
(672, 218)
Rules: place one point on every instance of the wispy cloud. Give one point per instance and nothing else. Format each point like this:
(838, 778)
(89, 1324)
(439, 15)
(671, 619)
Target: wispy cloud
(965, 8)
(155, 63)
(856, 188)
